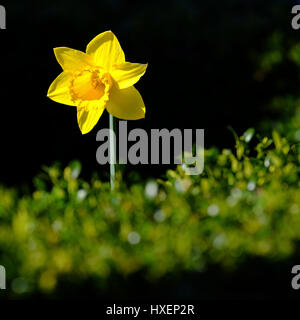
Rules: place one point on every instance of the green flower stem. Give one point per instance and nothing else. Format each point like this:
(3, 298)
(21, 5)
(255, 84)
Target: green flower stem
(112, 154)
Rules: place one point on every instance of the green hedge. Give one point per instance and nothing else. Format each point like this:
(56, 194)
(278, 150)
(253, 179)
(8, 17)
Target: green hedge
(246, 204)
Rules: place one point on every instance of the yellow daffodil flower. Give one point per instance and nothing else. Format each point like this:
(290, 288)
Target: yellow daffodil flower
(98, 79)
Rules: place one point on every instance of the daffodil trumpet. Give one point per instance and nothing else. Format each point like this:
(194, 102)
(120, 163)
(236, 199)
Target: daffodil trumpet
(96, 80)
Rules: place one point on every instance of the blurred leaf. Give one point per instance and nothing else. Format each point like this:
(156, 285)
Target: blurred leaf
(248, 135)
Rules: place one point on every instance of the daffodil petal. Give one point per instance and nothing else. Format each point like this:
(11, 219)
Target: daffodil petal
(88, 116)
(126, 104)
(59, 89)
(127, 74)
(106, 50)
(71, 59)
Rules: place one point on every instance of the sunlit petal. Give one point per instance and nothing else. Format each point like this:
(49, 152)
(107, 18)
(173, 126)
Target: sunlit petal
(127, 74)
(126, 104)
(88, 115)
(106, 50)
(72, 60)
(59, 89)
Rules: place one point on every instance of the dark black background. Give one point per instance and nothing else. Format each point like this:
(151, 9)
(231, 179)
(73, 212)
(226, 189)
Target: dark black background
(201, 55)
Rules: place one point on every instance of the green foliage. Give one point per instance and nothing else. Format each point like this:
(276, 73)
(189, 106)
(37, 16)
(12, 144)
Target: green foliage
(245, 204)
